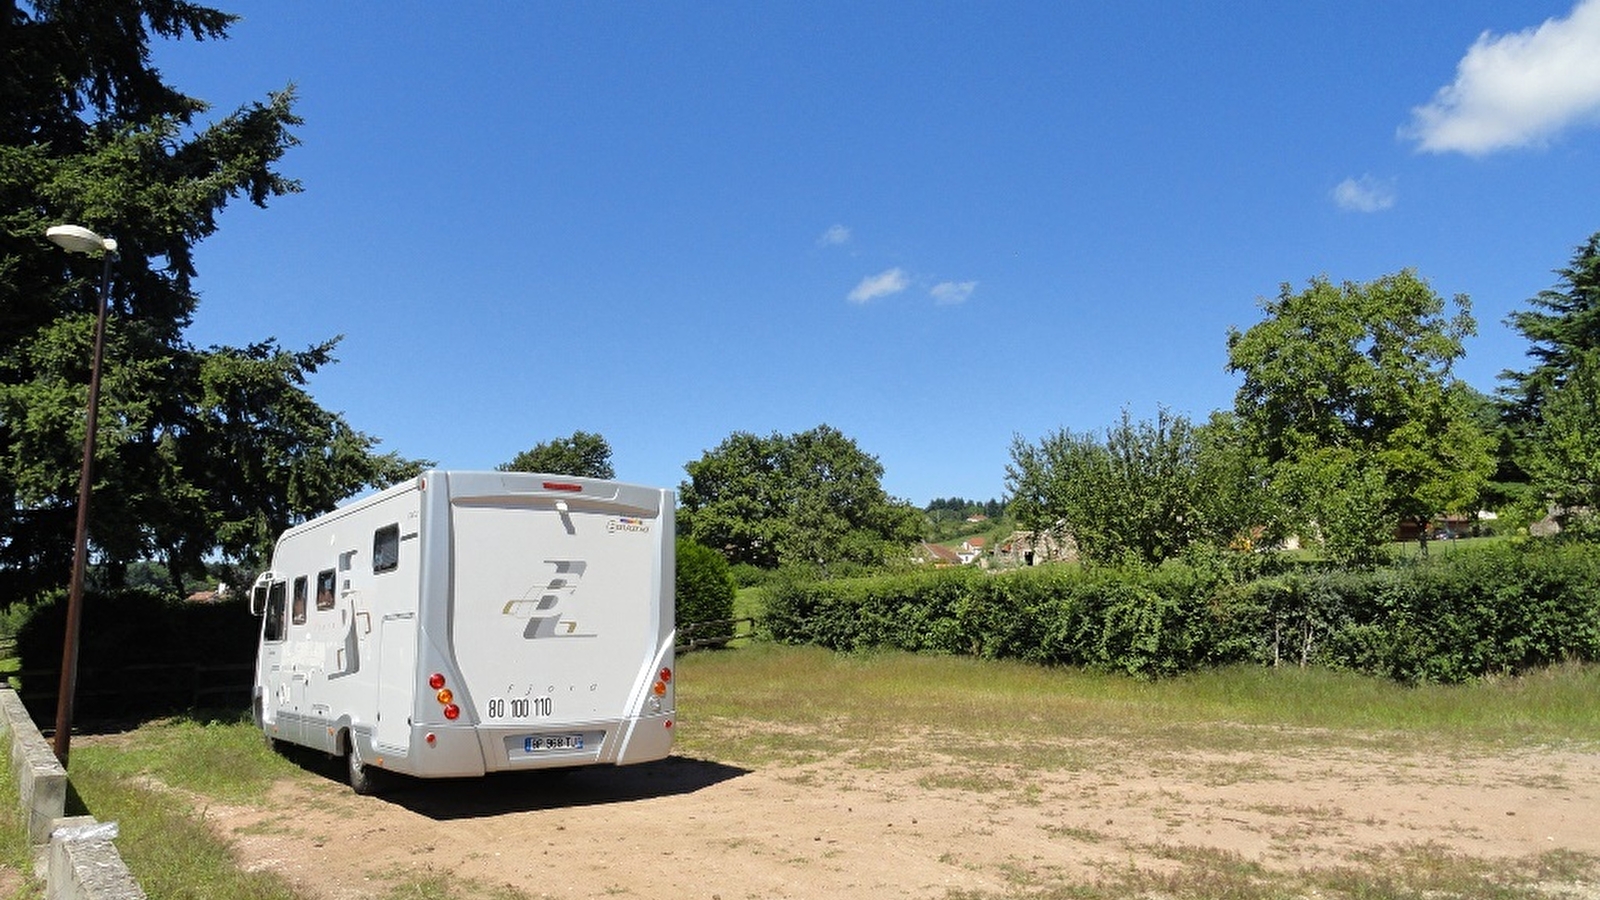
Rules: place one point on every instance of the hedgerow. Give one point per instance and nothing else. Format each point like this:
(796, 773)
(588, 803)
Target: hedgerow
(1500, 609)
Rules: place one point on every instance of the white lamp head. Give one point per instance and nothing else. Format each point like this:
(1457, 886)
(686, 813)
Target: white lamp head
(78, 239)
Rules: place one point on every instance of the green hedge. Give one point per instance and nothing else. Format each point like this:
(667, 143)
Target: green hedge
(138, 650)
(1503, 608)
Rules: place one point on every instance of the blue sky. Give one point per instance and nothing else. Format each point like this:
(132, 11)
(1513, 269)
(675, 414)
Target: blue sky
(931, 225)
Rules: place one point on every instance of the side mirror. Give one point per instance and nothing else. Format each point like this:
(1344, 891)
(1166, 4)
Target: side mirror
(258, 594)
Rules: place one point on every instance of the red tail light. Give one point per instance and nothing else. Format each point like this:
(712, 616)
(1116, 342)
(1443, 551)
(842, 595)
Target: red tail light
(444, 695)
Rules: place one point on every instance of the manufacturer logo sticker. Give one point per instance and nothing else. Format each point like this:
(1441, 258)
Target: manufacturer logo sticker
(548, 607)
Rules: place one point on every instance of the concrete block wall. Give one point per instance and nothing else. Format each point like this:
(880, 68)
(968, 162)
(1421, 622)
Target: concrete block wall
(82, 862)
(41, 780)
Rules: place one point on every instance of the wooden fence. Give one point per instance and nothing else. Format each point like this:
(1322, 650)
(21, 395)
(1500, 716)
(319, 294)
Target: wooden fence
(715, 633)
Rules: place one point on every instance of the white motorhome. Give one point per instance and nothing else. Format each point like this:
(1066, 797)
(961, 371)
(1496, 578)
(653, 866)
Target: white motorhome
(469, 622)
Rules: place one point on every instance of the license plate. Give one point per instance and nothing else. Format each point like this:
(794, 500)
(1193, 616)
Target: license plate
(544, 742)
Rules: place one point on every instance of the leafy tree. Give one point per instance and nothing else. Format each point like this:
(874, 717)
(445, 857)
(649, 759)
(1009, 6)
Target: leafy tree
(584, 455)
(1146, 493)
(1350, 399)
(811, 498)
(199, 450)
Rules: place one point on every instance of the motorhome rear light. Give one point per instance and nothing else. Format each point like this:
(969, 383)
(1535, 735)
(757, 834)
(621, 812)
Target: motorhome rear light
(431, 738)
(666, 674)
(660, 688)
(451, 711)
(667, 723)
(445, 696)
(436, 680)
(562, 486)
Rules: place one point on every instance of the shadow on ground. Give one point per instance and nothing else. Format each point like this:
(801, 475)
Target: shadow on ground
(544, 789)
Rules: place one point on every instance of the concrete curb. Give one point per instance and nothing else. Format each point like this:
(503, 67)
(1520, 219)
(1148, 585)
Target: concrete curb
(75, 855)
(41, 780)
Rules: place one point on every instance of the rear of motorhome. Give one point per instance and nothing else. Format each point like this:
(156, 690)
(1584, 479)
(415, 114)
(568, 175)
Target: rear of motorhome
(462, 623)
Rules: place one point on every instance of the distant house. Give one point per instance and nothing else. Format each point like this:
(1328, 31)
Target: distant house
(940, 556)
(220, 593)
(971, 549)
(1030, 548)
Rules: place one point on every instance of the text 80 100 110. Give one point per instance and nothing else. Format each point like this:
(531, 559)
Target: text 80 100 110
(519, 708)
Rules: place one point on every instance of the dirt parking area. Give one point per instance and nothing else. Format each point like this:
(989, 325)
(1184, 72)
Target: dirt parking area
(898, 819)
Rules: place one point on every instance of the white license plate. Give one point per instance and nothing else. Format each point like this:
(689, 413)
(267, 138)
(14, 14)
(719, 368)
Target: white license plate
(543, 742)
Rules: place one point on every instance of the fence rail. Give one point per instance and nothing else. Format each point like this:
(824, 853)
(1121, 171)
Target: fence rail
(715, 633)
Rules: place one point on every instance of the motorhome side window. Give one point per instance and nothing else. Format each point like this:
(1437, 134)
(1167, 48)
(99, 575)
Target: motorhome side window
(325, 589)
(386, 549)
(297, 615)
(273, 628)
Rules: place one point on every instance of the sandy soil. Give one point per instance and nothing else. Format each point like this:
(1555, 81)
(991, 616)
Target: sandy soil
(866, 823)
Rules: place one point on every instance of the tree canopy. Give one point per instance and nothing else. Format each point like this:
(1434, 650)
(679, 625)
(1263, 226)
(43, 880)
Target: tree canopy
(811, 498)
(199, 450)
(584, 455)
(1349, 396)
(1146, 493)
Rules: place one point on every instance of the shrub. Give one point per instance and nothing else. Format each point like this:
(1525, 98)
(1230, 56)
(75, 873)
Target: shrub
(138, 650)
(1505, 608)
(705, 589)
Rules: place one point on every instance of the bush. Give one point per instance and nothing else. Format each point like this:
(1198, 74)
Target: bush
(138, 650)
(1501, 609)
(705, 590)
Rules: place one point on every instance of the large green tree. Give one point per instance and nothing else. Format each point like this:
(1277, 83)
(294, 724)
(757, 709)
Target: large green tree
(1561, 324)
(1350, 397)
(812, 498)
(200, 450)
(1144, 493)
(584, 454)
(1549, 408)
(1561, 451)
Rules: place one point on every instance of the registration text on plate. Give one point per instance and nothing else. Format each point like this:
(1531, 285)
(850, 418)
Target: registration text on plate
(542, 742)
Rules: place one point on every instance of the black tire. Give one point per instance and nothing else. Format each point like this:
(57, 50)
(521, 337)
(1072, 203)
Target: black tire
(363, 778)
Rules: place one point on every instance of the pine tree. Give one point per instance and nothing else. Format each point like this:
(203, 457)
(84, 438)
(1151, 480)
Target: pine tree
(198, 450)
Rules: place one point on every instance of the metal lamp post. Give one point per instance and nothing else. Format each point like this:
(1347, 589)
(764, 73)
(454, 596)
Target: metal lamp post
(77, 239)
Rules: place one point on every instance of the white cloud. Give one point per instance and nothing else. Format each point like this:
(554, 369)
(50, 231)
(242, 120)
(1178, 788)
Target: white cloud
(834, 236)
(1365, 194)
(882, 284)
(949, 293)
(1516, 90)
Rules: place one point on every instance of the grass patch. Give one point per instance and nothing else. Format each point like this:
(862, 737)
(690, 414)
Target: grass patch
(1423, 872)
(165, 842)
(16, 861)
(430, 884)
(767, 702)
(164, 839)
(221, 756)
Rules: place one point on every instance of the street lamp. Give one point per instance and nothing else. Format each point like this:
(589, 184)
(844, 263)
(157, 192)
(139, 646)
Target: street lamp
(77, 239)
